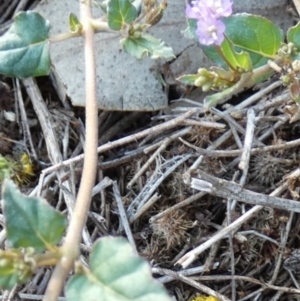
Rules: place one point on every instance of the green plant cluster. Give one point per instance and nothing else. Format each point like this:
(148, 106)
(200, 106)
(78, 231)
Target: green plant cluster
(243, 59)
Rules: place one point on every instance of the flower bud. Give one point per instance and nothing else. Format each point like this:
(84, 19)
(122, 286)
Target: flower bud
(4, 262)
(203, 71)
(206, 87)
(296, 65)
(286, 79)
(284, 48)
(200, 81)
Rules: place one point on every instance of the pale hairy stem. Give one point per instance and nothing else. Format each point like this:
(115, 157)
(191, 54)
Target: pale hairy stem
(70, 247)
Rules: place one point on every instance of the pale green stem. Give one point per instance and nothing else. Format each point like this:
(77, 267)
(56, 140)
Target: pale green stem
(64, 36)
(70, 247)
(98, 25)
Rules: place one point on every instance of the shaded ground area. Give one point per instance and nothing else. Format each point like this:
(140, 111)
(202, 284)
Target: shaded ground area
(250, 242)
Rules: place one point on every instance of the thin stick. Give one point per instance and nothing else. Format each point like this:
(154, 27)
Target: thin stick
(231, 251)
(123, 215)
(234, 153)
(227, 189)
(191, 282)
(174, 136)
(257, 96)
(143, 209)
(186, 202)
(283, 244)
(245, 158)
(26, 130)
(277, 101)
(207, 124)
(187, 272)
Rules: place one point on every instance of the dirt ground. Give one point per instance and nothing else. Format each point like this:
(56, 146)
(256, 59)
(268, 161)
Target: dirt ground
(242, 223)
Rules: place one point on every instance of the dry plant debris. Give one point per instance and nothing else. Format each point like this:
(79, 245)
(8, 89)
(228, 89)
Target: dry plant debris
(239, 233)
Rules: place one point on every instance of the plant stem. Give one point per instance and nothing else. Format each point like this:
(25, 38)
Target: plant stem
(64, 36)
(98, 25)
(70, 247)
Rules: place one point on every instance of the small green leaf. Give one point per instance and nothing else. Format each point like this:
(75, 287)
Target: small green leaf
(24, 48)
(188, 79)
(239, 61)
(120, 12)
(190, 31)
(293, 35)
(145, 44)
(117, 274)
(30, 221)
(74, 24)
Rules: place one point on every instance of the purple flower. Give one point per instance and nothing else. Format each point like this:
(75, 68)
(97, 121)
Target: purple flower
(194, 11)
(213, 8)
(217, 8)
(210, 29)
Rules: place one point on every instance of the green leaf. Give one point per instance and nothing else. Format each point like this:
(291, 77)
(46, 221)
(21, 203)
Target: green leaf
(30, 221)
(120, 12)
(74, 24)
(293, 35)
(144, 44)
(24, 48)
(117, 274)
(188, 79)
(255, 34)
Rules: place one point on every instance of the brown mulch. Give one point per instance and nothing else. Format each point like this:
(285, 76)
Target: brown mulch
(243, 233)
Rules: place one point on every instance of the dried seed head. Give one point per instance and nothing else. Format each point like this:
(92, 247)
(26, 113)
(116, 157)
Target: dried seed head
(172, 228)
(154, 252)
(266, 170)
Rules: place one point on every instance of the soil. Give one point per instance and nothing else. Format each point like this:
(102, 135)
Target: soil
(242, 221)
